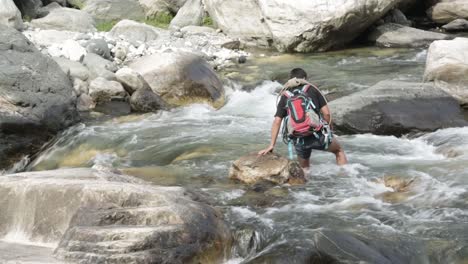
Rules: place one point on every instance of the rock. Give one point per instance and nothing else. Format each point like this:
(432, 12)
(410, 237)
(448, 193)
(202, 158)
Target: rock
(154, 8)
(47, 38)
(131, 80)
(102, 90)
(99, 67)
(145, 100)
(80, 87)
(99, 47)
(457, 25)
(66, 19)
(10, 15)
(197, 30)
(73, 68)
(85, 103)
(69, 49)
(191, 14)
(296, 26)
(447, 64)
(242, 59)
(105, 217)
(134, 32)
(398, 36)
(30, 8)
(446, 11)
(114, 10)
(120, 52)
(234, 45)
(36, 97)
(181, 78)
(271, 167)
(398, 183)
(397, 17)
(396, 108)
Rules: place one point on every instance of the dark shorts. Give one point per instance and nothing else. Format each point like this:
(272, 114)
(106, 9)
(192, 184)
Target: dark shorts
(305, 145)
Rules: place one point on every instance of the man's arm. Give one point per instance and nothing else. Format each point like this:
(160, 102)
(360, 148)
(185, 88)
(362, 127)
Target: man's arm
(326, 115)
(275, 128)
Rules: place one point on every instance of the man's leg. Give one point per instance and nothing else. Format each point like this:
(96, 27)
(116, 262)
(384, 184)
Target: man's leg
(336, 149)
(305, 163)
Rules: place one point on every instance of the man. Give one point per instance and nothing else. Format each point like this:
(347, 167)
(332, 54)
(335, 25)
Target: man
(304, 145)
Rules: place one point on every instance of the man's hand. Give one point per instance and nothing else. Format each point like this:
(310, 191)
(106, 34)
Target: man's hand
(266, 151)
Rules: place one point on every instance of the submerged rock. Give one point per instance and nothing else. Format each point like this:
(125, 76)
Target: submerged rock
(447, 64)
(10, 15)
(271, 167)
(396, 108)
(297, 26)
(103, 217)
(181, 78)
(398, 36)
(36, 97)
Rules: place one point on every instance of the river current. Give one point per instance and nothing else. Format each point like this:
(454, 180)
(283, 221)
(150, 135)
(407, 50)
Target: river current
(194, 147)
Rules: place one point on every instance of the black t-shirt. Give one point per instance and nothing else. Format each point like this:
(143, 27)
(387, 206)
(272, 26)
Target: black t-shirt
(316, 96)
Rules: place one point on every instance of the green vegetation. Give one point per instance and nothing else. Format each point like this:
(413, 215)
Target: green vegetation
(161, 20)
(106, 25)
(207, 21)
(27, 18)
(76, 3)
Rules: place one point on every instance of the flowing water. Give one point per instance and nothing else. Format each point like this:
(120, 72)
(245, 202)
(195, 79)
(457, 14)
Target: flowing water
(195, 146)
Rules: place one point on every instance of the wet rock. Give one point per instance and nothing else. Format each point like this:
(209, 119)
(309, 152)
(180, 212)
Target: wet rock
(396, 108)
(106, 10)
(446, 64)
(131, 80)
(134, 32)
(288, 25)
(145, 100)
(36, 97)
(398, 183)
(10, 15)
(181, 78)
(457, 25)
(103, 217)
(191, 14)
(73, 68)
(99, 47)
(398, 36)
(271, 167)
(102, 90)
(445, 11)
(63, 18)
(99, 67)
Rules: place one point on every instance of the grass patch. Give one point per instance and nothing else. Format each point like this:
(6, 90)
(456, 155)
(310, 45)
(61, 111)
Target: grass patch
(106, 25)
(208, 21)
(161, 20)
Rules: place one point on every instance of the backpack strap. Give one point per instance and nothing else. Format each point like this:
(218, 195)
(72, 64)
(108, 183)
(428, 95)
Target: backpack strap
(288, 94)
(305, 88)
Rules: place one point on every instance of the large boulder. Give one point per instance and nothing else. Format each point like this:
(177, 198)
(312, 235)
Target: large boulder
(398, 36)
(447, 64)
(63, 18)
(134, 32)
(36, 97)
(99, 67)
(191, 14)
(105, 217)
(396, 108)
(445, 11)
(10, 15)
(273, 168)
(30, 8)
(73, 68)
(297, 26)
(181, 78)
(131, 80)
(102, 90)
(153, 8)
(112, 10)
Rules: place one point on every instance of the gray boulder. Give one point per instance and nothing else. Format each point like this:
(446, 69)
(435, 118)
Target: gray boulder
(181, 78)
(10, 15)
(36, 97)
(445, 11)
(102, 90)
(297, 26)
(273, 168)
(30, 8)
(134, 32)
(457, 25)
(111, 10)
(99, 47)
(398, 36)
(99, 67)
(131, 80)
(73, 68)
(85, 103)
(397, 17)
(396, 108)
(145, 100)
(191, 14)
(154, 7)
(80, 87)
(105, 217)
(63, 18)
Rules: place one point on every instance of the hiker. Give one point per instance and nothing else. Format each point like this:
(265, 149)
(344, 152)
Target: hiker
(307, 119)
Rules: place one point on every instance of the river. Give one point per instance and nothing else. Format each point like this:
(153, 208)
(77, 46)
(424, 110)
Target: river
(195, 145)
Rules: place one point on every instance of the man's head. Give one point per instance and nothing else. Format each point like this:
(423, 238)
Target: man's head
(297, 73)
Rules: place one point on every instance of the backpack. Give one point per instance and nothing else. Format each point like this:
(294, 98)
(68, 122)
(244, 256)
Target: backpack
(304, 118)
